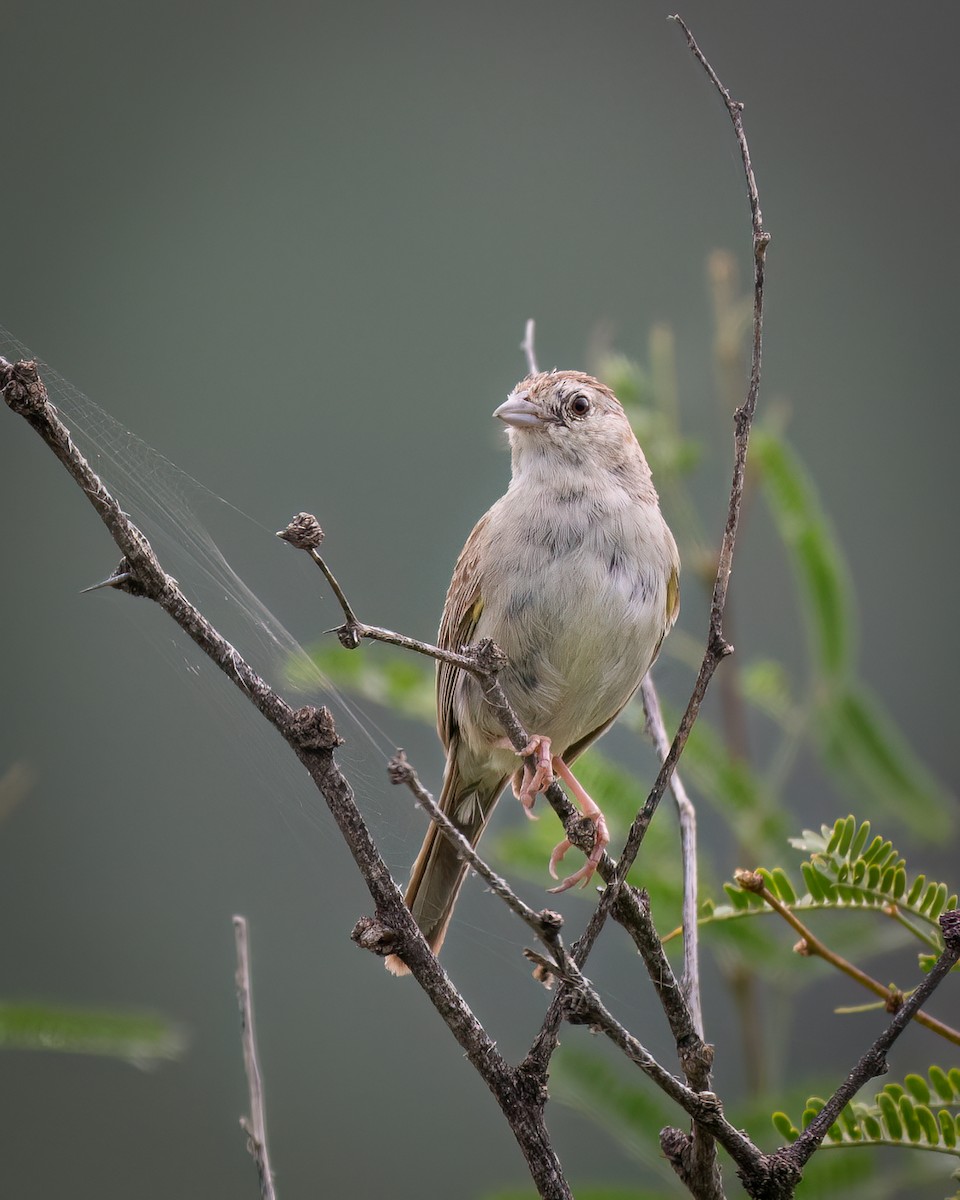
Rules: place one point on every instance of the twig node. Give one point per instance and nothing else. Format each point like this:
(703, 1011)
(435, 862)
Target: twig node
(399, 769)
(303, 532)
(371, 934)
(314, 728)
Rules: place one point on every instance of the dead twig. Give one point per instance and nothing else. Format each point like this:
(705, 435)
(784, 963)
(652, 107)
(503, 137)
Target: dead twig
(255, 1126)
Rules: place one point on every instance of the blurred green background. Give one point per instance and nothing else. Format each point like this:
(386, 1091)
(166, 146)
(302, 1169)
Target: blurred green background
(293, 247)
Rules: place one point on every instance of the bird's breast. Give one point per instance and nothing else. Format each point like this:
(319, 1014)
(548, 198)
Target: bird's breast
(574, 591)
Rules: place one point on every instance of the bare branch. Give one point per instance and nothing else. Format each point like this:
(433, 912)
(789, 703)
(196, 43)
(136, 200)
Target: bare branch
(717, 646)
(545, 924)
(311, 734)
(583, 1006)
(874, 1062)
(255, 1126)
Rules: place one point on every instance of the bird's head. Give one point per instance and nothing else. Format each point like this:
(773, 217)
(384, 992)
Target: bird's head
(569, 420)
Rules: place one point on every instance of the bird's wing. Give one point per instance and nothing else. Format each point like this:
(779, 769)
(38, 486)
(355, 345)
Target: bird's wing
(673, 597)
(461, 612)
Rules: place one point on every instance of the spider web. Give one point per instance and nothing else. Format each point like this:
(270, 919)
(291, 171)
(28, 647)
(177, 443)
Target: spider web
(188, 525)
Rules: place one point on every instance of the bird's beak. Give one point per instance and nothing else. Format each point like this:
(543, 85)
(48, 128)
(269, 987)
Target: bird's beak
(520, 412)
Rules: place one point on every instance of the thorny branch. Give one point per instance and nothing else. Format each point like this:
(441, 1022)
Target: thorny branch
(311, 734)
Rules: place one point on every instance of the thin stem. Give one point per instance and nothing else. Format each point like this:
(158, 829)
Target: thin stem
(545, 924)
(812, 946)
(688, 849)
(255, 1126)
(335, 587)
(528, 345)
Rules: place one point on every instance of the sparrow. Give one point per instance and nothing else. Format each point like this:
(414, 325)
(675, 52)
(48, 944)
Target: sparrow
(574, 574)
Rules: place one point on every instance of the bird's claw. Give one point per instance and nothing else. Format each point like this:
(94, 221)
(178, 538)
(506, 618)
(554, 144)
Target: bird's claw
(535, 780)
(583, 876)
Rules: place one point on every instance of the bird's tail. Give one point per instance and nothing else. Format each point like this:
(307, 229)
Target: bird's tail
(438, 873)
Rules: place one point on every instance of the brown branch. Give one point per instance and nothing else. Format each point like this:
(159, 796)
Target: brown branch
(811, 946)
(717, 646)
(874, 1061)
(255, 1126)
(312, 736)
(583, 1006)
(545, 924)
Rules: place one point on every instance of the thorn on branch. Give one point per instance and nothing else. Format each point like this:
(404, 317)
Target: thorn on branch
(123, 579)
(349, 636)
(550, 921)
(950, 928)
(676, 1146)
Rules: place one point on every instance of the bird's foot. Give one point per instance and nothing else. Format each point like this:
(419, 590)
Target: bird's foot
(528, 784)
(538, 779)
(601, 839)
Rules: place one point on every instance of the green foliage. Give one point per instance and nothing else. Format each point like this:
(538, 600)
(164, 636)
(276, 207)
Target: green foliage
(403, 682)
(141, 1039)
(855, 736)
(919, 1114)
(821, 573)
(623, 1106)
(870, 757)
(848, 869)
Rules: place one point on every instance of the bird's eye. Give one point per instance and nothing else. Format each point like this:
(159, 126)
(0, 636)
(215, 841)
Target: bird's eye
(579, 405)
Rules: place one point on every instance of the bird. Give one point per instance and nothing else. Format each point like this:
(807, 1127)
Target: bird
(575, 575)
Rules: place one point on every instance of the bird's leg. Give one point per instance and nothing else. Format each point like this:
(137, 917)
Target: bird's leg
(602, 839)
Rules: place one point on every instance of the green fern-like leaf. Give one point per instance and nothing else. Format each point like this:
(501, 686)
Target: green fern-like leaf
(847, 868)
(919, 1114)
